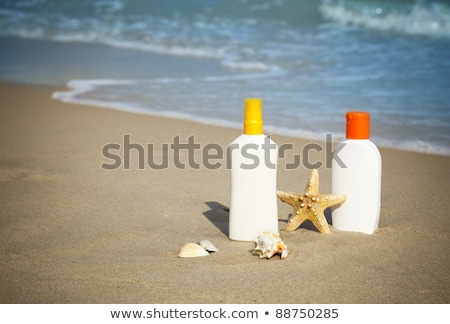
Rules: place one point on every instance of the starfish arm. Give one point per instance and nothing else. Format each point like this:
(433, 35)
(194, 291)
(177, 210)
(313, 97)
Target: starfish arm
(318, 219)
(312, 186)
(287, 197)
(295, 221)
(320, 222)
(331, 200)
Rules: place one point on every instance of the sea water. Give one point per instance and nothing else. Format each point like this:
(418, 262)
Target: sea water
(310, 61)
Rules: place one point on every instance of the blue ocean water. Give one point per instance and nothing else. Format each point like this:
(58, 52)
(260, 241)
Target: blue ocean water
(310, 61)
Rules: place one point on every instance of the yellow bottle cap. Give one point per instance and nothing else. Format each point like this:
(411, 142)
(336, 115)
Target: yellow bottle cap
(253, 123)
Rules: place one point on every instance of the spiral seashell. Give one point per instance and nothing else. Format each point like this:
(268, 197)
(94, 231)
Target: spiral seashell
(268, 244)
(192, 250)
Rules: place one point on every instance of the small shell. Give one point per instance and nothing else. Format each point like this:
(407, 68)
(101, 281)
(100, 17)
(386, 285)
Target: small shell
(208, 246)
(192, 250)
(268, 244)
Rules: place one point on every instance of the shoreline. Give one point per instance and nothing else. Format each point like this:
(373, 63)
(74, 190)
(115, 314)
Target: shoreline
(66, 97)
(51, 62)
(74, 233)
(271, 129)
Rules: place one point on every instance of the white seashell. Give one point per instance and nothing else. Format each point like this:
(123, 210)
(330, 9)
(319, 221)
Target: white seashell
(268, 244)
(192, 250)
(208, 246)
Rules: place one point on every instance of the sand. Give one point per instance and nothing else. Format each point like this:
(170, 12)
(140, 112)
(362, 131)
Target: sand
(72, 232)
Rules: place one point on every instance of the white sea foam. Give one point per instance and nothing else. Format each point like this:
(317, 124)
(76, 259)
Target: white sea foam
(79, 87)
(251, 66)
(420, 19)
(110, 6)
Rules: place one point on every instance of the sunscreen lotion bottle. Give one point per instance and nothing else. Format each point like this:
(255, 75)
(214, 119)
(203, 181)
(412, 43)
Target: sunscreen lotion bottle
(356, 172)
(253, 205)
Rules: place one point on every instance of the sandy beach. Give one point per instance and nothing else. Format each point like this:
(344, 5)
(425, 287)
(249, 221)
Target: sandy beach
(72, 232)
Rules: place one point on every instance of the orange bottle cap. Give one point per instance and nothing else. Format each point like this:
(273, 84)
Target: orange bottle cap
(253, 123)
(358, 125)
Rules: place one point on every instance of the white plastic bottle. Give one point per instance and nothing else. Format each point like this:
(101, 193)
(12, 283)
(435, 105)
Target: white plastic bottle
(356, 172)
(253, 205)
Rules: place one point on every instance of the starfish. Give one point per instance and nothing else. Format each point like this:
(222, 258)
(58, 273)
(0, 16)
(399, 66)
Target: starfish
(310, 205)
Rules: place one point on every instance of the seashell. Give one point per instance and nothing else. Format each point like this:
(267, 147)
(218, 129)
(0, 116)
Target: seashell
(268, 244)
(192, 250)
(208, 246)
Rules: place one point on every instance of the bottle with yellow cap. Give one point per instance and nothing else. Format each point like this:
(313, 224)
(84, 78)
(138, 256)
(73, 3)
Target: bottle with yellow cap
(356, 172)
(253, 205)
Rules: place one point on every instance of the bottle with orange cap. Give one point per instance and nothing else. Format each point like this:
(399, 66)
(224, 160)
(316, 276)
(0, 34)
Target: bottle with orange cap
(356, 172)
(253, 205)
